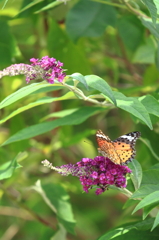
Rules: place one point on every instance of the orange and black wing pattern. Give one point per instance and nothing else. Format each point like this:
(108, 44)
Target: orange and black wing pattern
(120, 151)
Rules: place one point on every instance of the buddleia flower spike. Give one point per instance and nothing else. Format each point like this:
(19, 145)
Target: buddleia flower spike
(45, 68)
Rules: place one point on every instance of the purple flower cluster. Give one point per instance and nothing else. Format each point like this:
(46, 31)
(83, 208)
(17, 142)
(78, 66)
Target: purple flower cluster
(45, 68)
(49, 68)
(100, 172)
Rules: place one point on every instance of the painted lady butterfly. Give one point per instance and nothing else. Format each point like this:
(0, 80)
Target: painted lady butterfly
(121, 150)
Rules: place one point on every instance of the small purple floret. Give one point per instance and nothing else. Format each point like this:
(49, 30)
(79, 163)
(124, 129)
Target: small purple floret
(48, 68)
(99, 172)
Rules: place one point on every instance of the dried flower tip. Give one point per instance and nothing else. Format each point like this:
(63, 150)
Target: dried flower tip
(46, 163)
(16, 69)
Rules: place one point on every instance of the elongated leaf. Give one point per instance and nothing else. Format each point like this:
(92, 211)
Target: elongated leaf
(149, 208)
(49, 88)
(152, 9)
(23, 92)
(156, 2)
(59, 114)
(133, 106)
(145, 53)
(60, 234)
(40, 101)
(133, 35)
(156, 222)
(80, 78)
(145, 190)
(4, 4)
(136, 175)
(49, 6)
(89, 18)
(151, 198)
(155, 166)
(7, 169)
(150, 176)
(130, 202)
(157, 56)
(136, 230)
(102, 86)
(151, 104)
(57, 199)
(148, 144)
(75, 118)
(30, 5)
(154, 29)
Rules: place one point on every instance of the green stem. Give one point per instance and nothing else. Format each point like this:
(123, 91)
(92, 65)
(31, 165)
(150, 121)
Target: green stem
(78, 92)
(126, 192)
(134, 11)
(111, 4)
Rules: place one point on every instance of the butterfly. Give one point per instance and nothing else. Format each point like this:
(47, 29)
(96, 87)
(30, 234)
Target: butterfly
(121, 150)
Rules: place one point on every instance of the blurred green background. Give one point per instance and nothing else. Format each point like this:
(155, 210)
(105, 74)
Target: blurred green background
(91, 38)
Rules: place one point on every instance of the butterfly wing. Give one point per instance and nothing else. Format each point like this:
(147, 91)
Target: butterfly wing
(106, 147)
(125, 147)
(121, 150)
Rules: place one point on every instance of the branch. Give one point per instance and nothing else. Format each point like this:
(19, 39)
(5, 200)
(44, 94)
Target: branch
(78, 92)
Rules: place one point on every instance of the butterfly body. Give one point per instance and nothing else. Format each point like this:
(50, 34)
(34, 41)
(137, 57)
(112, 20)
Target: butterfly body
(121, 150)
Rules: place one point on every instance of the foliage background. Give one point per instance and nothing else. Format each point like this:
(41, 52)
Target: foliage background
(117, 41)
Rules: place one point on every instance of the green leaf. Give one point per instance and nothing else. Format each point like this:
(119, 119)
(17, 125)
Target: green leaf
(151, 76)
(7, 169)
(146, 52)
(80, 78)
(130, 202)
(157, 5)
(89, 19)
(102, 86)
(60, 234)
(49, 6)
(57, 199)
(155, 166)
(136, 175)
(39, 102)
(154, 29)
(151, 198)
(148, 144)
(150, 176)
(59, 114)
(75, 118)
(157, 56)
(4, 3)
(151, 104)
(133, 106)
(145, 190)
(49, 88)
(149, 208)
(23, 92)
(135, 230)
(131, 31)
(152, 9)
(30, 5)
(156, 222)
